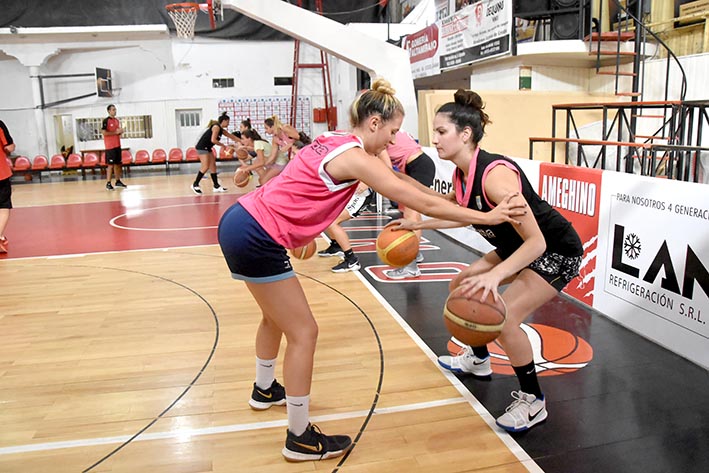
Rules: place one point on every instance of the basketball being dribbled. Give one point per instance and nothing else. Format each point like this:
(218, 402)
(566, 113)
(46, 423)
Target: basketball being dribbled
(397, 247)
(473, 322)
(241, 179)
(242, 154)
(305, 251)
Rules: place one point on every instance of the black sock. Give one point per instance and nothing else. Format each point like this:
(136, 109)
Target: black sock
(481, 352)
(214, 179)
(200, 175)
(528, 382)
(334, 244)
(349, 255)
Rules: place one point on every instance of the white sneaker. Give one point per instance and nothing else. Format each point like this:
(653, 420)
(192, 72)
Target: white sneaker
(196, 189)
(525, 412)
(408, 271)
(419, 258)
(220, 189)
(466, 362)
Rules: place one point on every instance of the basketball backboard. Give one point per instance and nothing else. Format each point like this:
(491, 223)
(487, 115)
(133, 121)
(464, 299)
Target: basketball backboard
(104, 82)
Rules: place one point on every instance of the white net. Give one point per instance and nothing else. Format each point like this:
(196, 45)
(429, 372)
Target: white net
(184, 15)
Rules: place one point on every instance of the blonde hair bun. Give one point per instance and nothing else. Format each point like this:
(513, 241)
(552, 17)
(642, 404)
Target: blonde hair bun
(383, 87)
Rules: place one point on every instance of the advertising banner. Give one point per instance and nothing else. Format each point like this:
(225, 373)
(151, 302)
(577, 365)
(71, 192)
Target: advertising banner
(576, 193)
(423, 52)
(476, 32)
(654, 241)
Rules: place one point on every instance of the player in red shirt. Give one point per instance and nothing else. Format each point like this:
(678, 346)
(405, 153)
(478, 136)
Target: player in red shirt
(112, 131)
(7, 146)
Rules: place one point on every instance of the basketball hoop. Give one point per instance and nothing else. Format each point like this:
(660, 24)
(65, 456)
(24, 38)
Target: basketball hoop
(184, 15)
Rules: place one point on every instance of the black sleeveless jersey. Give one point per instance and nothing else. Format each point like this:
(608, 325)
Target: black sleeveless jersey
(205, 142)
(559, 234)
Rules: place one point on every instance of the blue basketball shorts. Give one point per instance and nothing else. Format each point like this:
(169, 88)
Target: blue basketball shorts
(251, 254)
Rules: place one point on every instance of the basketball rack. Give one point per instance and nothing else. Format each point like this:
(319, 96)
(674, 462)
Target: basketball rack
(184, 15)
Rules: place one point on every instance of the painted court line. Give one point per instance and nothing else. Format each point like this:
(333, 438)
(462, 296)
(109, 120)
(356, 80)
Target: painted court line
(111, 252)
(509, 442)
(186, 434)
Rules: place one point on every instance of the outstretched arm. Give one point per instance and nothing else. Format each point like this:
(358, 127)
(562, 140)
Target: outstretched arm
(357, 164)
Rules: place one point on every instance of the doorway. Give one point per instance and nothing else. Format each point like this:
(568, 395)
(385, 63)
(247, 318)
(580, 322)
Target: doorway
(64, 134)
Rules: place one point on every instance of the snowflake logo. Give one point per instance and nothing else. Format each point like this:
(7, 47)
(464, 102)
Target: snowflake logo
(632, 246)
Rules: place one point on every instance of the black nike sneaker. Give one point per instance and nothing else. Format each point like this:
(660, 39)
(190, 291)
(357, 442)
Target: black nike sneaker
(314, 445)
(262, 399)
(332, 250)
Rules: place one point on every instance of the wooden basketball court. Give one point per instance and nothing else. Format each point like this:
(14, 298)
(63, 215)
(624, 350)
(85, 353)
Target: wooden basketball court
(141, 359)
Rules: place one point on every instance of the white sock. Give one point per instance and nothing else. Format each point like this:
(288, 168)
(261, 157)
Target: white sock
(298, 408)
(265, 372)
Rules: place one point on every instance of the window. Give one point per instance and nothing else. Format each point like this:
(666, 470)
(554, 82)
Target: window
(222, 83)
(138, 126)
(190, 118)
(283, 81)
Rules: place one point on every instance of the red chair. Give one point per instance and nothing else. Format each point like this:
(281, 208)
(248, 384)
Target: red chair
(22, 163)
(57, 162)
(142, 157)
(175, 156)
(40, 163)
(225, 154)
(90, 160)
(159, 156)
(73, 161)
(126, 157)
(192, 155)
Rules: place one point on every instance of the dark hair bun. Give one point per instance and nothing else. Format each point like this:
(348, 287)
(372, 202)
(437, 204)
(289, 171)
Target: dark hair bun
(468, 98)
(223, 116)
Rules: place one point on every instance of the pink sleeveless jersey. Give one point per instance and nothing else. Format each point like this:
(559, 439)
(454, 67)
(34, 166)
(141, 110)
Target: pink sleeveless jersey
(404, 148)
(282, 139)
(302, 201)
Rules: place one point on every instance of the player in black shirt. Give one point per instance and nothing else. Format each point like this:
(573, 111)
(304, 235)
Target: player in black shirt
(207, 159)
(537, 257)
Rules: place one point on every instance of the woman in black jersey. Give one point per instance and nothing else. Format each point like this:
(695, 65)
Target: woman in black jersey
(207, 159)
(537, 257)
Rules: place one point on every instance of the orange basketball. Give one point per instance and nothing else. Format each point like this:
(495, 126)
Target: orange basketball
(305, 251)
(473, 322)
(241, 179)
(242, 154)
(397, 247)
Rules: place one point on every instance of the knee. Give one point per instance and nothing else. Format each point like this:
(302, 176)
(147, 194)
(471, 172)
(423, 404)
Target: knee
(510, 332)
(306, 334)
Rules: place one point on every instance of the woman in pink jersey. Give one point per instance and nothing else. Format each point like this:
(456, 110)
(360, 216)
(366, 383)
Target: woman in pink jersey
(301, 202)
(283, 138)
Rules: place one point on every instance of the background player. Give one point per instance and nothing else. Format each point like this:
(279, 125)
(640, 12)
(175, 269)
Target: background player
(406, 156)
(208, 161)
(112, 131)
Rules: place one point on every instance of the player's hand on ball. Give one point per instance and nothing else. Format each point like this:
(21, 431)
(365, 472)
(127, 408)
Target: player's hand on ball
(401, 224)
(488, 282)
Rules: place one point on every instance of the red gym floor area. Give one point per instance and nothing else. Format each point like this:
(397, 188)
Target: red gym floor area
(116, 226)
